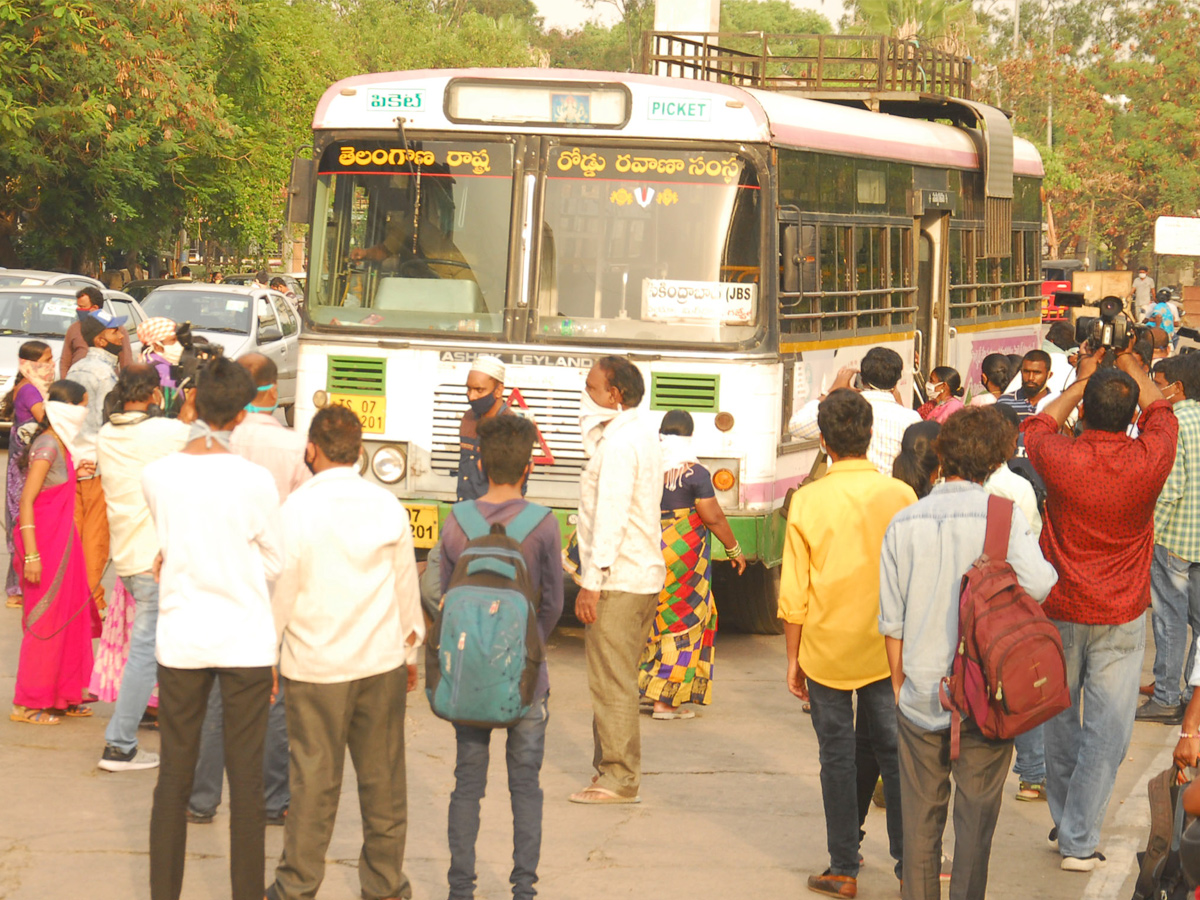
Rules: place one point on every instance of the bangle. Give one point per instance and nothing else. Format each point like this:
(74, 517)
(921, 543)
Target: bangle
(1189, 735)
(33, 557)
(734, 551)
(28, 527)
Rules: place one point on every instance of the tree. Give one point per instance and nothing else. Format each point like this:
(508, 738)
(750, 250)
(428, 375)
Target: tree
(947, 24)
(637, 17)
(771, 17)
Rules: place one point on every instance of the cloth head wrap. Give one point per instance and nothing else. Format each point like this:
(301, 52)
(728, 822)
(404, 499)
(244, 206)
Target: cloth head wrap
(156, 330)
(37, 373)
(489, 366)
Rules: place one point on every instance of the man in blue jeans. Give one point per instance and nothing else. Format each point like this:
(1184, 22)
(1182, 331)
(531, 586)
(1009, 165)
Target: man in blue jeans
(506, 447)
(1175, 568)
(132, 439)
(1101, 490)
(829, 603)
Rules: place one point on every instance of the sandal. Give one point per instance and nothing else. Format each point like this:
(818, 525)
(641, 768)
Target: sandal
(32, 716)
(76, 711)
(1031, 790)
(673, 714)
(14, 601)
(598, 796)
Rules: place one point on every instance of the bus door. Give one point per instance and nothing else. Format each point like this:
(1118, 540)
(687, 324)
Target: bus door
(930, 338)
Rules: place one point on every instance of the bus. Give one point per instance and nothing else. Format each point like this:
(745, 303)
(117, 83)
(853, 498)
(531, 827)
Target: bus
(739, 245)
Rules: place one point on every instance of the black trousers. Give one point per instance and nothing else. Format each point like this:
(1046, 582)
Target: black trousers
(182, 702)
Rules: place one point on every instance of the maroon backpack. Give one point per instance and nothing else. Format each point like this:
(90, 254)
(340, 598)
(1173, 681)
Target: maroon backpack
(1009, 672)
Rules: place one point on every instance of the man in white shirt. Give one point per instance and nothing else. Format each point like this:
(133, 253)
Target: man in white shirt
(879, 372)
(261, 439)
(125, 446)
(349, 612)
(621, 568)
(216, 516)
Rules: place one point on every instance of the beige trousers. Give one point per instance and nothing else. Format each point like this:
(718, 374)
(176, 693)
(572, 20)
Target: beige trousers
(614, 645)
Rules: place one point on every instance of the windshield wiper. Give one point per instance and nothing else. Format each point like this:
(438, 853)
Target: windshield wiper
(48, 334)
(221, 329)
(12, 331)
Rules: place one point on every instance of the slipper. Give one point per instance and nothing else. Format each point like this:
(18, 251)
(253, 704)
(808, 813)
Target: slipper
(14, 601)
(32, 716)
(598, 796)
(806, 707)
(674, 714)
(75, 711)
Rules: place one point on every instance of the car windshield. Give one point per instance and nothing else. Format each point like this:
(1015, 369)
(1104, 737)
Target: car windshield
(220, 311)
(8, 279)
(36, 314)
(649, 244)
(412, 239)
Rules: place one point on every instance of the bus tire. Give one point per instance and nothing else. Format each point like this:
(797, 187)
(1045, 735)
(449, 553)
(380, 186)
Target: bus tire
(748, 604)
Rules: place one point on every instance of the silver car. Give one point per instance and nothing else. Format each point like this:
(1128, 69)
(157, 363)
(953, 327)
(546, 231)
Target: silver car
(239, 318)
(45, 313)
(38, 277)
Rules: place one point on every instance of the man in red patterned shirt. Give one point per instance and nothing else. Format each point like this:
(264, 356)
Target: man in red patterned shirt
(1101, 489)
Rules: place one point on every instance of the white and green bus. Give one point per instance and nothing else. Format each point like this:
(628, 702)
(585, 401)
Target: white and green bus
(739, 245)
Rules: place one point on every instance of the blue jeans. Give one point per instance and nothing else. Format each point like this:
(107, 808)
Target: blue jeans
(141, 668)
(1031, 756)
(833, 722)
(1175, 595)
(210, 763)
(1104, 663)
(523, 753)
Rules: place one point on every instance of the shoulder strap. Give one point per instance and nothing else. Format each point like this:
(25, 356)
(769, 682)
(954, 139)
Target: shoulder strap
(470, 520)
(524, 522)
(999, 524)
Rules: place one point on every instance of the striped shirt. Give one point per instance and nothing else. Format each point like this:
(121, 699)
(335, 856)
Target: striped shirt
(1177, 513)
(889, 421)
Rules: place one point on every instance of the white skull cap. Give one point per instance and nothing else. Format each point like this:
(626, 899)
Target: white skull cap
(490, 366)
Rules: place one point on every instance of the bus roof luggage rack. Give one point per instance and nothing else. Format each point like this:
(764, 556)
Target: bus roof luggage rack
(839, 67)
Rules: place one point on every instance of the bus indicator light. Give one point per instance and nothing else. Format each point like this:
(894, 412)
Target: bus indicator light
(666, 109)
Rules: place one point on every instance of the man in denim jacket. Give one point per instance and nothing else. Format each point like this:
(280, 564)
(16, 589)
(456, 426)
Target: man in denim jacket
(927, 549)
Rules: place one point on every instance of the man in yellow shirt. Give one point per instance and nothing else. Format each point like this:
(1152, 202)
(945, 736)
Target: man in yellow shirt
(829, 601)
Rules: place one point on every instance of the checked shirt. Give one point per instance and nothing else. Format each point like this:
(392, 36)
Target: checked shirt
(1177, 514)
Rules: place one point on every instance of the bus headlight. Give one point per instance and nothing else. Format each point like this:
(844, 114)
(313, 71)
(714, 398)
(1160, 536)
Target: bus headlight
(320, 399)
(723, 479)
(389, 464)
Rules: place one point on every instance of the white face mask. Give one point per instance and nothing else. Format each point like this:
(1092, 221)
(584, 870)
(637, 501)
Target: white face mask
(931, 390)
(172, 353)
(592, 419)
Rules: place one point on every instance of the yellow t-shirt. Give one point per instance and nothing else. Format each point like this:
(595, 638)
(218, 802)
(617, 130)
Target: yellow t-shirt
(830, 578)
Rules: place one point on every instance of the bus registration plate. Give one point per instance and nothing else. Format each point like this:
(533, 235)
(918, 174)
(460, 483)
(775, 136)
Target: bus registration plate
(424, 522)
(371, 411)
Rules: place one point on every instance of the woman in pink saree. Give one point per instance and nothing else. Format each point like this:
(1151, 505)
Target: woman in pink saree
(58, 617)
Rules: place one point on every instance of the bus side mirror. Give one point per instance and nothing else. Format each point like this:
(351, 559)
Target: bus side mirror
(791, 258)
(300, 191)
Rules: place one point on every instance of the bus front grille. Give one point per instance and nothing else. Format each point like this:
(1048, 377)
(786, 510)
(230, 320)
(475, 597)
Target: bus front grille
(554, 412)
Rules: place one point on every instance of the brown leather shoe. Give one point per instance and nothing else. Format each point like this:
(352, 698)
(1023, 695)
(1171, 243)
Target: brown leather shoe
(833, 885)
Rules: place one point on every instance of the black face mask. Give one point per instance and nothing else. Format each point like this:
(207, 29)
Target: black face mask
(481, 406)
(114, 349)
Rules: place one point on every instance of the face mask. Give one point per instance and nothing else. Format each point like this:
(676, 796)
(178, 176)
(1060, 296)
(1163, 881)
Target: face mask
(481, 406)
(931, 390)
(201, 429)
(114, 349)
(592, 419)
(37, 373)
(172, 353)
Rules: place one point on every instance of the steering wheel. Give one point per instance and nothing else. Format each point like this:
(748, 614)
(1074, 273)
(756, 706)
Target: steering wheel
(426, 263)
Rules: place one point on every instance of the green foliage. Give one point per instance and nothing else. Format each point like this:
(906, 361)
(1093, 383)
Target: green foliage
(772, 17)
(948, 24)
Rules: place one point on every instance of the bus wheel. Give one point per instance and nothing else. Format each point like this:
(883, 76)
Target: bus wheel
(748, 604)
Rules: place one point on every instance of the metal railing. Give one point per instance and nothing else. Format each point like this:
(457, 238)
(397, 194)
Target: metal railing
(811, 63)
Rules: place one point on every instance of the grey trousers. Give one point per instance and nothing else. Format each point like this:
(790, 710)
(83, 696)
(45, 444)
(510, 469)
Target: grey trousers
(925, 770)
(324, 720)
(614, 645)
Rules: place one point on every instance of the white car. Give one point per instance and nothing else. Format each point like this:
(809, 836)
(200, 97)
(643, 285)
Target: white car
(44, 313)
(39, 277)
(239, 318)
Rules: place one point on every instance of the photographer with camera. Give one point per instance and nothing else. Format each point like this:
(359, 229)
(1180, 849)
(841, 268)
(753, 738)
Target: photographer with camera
(1101, 490)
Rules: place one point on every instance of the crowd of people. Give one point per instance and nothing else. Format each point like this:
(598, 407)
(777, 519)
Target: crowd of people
(274, 621)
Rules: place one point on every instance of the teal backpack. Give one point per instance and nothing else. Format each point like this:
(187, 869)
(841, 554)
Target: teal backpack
(483, 653)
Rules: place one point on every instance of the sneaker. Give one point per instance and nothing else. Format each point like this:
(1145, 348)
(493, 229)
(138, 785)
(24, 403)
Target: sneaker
(1086, 864)
(833, 885)
(1153, 711)
(199, 818)
(114, 760)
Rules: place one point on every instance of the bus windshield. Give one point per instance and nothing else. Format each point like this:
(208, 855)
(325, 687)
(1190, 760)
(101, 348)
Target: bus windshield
(412, 238)
(649, 244)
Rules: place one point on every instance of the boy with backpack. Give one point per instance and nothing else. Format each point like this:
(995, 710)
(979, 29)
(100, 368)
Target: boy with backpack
(927, 549)
(473, 549)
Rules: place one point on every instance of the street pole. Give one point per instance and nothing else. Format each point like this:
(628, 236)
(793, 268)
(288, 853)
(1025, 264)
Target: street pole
(1050, 99)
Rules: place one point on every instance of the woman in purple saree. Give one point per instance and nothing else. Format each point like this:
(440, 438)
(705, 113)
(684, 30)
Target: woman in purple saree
(58, 617)
(24, 407)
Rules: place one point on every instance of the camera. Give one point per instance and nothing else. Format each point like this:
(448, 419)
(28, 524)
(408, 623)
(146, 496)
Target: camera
(1111, 329)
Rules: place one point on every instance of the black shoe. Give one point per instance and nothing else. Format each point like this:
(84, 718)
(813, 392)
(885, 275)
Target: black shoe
(199, 818)
(278, 818)
(1153, 711)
